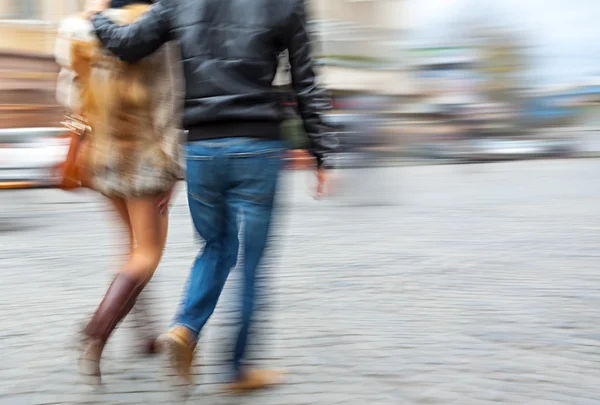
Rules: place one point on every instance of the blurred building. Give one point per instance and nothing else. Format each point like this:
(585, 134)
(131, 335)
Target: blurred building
(360, 45)
(356, 44)
(30, 25)
(363, 30)
(27, 68)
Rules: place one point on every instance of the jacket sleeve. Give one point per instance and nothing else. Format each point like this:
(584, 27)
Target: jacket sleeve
(312, 100)
(133, 42)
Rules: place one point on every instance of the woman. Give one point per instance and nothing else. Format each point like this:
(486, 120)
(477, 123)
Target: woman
(134, 111)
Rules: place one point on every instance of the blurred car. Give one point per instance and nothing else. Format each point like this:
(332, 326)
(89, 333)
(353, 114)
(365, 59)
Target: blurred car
(515, 149)
(29, 156)
(356, 133)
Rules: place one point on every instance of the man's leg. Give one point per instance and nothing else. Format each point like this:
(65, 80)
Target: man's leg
(255, 179)
(206, 178)
(211, 268)
(257, 220)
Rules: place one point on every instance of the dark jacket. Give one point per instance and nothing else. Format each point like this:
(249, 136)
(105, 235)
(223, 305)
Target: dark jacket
(230, 54)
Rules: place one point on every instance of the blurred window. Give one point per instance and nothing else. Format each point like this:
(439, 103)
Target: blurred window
(78, 5)
(22, 10)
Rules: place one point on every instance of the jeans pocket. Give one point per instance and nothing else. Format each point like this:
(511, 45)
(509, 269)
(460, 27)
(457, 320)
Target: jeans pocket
(256, 176)
(202, 178)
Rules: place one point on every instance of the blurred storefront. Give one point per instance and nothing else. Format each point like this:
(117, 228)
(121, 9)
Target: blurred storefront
(27, 68)
(29, 26)
(27, 91)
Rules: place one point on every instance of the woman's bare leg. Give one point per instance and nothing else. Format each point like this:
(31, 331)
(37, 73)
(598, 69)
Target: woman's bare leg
(123, 215)
(150, 229)
(142, 312)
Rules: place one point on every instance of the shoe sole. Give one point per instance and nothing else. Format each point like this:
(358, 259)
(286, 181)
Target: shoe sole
(277, 377)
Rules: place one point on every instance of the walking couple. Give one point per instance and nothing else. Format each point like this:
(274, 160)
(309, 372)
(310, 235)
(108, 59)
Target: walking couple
(121, 71)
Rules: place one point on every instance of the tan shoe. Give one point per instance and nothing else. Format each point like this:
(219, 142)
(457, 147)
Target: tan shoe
(255, 380)
(179, 345)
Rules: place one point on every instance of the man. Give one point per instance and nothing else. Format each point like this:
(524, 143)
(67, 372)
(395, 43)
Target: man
(230, 54)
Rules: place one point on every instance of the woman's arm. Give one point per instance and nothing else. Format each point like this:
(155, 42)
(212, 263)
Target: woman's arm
(133, 42)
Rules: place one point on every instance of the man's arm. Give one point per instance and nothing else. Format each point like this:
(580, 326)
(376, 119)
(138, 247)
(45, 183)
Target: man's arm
(133, 42)
(312, 100)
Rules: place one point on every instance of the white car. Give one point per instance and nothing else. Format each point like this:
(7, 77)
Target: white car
(29, 156)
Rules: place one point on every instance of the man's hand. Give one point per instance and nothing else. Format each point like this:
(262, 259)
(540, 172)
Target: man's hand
(322, 183)
(163, 201)
(94, 7)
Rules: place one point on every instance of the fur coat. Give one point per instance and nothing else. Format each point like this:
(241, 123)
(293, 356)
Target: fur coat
(134, 110)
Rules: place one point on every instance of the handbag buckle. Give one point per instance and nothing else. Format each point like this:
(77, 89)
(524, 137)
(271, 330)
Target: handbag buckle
(76, 123)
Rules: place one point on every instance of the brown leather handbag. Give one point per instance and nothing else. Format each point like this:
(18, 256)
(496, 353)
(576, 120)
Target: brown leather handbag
(74, 171)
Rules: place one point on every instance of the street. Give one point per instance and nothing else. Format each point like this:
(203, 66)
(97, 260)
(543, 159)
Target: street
(471, 284)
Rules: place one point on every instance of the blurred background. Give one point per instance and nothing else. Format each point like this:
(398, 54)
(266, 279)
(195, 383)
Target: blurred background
(455, 80)
(470, 282)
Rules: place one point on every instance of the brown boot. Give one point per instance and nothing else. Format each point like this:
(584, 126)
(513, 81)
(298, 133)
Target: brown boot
(251, 380)
(118, 301)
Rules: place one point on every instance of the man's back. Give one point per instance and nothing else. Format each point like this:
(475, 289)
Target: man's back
(230, 54)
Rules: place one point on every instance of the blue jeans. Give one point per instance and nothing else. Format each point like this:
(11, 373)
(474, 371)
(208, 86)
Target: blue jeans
(229, 181)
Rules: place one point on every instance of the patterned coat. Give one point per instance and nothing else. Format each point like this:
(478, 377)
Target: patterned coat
(135, 111)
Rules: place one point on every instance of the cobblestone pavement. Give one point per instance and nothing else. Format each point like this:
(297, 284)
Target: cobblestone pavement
(475, 284)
